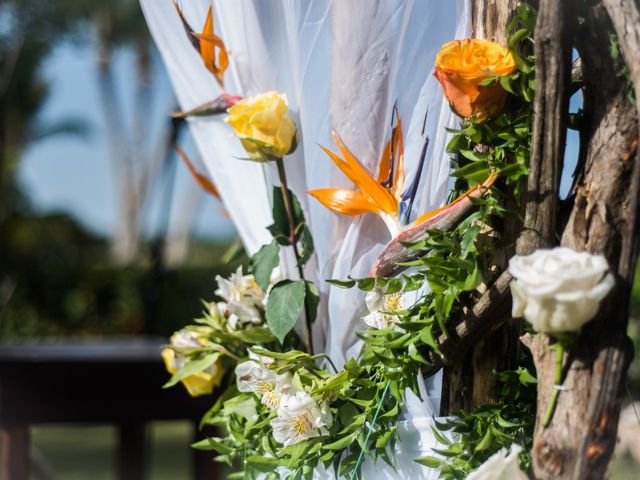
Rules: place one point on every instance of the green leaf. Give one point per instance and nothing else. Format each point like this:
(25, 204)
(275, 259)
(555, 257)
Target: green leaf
(341, 283)
(366, 284)
(457, 143)
(263, 262)
(505, 82)
(517, 36)
(340, 443)
(253, 335)
(262, 464)
(280, 229)
(475, 156)
(306, 245)
(485, 443)
(431, 462)
(476, 172)
(313, 300)
(192, 367)
(473, 280)
(284, 307)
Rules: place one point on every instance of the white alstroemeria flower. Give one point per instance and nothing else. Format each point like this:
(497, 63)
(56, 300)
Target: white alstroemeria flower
(244, 297)
(502, 465)
(558, 290)
(271, 387)
(299, 418)
(382, 307)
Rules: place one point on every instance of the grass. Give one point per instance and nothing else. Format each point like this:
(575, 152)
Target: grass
(82, 452)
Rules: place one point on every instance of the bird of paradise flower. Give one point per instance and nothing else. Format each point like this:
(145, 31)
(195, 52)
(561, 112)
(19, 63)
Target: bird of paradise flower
(207, 44)
(215, 57)
(381, 196)
(385, 196)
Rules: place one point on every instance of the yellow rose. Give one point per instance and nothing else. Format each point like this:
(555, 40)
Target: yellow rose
(264, 126)
(461, 65)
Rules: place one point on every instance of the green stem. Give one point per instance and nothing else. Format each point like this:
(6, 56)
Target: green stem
(288, 206)
(354, 472)
(557, 382)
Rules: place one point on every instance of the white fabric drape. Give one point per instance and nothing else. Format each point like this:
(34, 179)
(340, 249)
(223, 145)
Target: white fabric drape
(342, 64)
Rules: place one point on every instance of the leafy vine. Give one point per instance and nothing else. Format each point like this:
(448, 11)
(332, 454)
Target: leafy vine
(347, 414)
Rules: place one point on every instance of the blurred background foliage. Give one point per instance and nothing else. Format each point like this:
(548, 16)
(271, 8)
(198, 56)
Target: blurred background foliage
(57, 278)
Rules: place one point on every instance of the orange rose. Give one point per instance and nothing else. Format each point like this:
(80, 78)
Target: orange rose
(460, 67)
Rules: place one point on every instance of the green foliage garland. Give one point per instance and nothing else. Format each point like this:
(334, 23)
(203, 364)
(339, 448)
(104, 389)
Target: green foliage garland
(366, 397)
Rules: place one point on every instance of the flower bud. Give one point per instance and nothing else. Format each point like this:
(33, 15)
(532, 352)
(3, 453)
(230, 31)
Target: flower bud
(264, 126)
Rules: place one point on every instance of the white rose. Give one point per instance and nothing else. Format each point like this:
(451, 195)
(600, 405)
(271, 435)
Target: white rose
(500, 466)
(558, 290)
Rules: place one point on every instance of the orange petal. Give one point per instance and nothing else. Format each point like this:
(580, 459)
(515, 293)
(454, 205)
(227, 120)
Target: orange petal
(398, 159)
(342, 200)
(383, 169)
(376, 193)
(208, 48)
(481, 186)
(203, 181)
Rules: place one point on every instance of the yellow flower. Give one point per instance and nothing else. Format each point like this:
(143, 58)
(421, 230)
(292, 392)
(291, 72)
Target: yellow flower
(461, 65)
(199, 383)
(264, 126)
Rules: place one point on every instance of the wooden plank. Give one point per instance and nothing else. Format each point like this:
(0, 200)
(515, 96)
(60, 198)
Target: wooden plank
(132, 451)
(15, 453)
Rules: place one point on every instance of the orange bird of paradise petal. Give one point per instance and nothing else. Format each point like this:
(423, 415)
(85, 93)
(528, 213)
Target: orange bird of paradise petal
(396, 253)
(392, 162)
(481, 187)
(206, 43)
(372, 197)
(345, 201)
(206, 184)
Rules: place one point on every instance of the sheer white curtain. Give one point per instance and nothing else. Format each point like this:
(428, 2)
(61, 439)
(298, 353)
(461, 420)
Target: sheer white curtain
(343, 65)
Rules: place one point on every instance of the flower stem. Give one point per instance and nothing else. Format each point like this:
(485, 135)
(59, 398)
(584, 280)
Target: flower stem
(372, 425)
(288, 206)
(557, 383)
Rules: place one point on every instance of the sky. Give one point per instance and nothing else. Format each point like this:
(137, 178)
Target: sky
(74, 175)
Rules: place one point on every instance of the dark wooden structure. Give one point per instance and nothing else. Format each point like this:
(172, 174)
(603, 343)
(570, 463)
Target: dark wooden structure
(107, 381)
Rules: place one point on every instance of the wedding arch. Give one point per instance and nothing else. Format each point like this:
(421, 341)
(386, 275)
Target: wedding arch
(362, 284)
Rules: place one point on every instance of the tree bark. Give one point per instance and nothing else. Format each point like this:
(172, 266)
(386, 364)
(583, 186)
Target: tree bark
(550, 113)
(580, 439)
(469, 378)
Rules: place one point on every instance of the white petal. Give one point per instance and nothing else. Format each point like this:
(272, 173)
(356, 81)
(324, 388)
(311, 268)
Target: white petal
(519, 299)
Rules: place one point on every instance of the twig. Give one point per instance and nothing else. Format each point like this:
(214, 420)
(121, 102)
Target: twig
(489, 313)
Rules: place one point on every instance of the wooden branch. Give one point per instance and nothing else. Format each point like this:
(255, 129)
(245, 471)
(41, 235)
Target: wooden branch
(580, 439)
(625, 17)
(553, 80)
(489, 313)
(473, 355)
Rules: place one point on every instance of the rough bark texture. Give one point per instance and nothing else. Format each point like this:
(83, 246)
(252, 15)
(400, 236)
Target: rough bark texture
(489, 313)
(480, 346)
(550, 112)
(580, 439)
